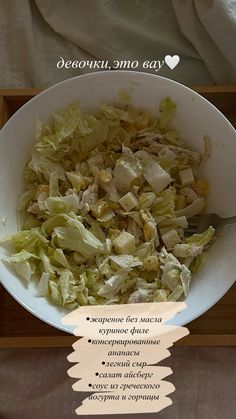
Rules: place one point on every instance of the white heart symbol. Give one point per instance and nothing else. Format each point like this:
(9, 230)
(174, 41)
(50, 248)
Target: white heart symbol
(172, 62)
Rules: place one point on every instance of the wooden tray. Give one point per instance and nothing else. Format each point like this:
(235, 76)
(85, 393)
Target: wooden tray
(19, 328)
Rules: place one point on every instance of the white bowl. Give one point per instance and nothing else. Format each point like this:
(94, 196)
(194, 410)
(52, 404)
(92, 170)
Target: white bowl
(195, 118)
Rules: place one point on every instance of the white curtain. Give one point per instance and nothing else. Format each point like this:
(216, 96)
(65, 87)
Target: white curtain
(36, 33)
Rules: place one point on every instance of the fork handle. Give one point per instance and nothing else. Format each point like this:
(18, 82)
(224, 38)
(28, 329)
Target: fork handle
(228, 220)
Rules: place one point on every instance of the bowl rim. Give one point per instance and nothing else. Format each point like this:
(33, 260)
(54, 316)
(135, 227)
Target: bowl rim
(113, 72)
(189, 90)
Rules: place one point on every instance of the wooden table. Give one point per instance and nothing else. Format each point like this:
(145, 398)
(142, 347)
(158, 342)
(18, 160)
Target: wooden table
(19, 328)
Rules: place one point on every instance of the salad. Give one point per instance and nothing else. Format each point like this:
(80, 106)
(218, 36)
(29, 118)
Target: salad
(107, 202)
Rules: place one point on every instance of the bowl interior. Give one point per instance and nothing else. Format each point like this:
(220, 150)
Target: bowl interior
(195, 118)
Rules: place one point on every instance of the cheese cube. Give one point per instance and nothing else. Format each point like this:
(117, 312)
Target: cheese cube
(104, 176)
(128, 201)
(170, 238)
(186, 176)
(124, 244)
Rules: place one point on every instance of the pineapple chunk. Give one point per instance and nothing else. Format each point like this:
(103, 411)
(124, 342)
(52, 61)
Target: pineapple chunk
(186, 176)
(150, 232)
(170, 238)
(99, 208)
(180, 202)
(42, 189)
(124, 244)
(128, 201)
(201, 187)
(151, 263)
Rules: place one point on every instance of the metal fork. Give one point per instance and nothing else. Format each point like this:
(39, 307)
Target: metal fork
(200, 223)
